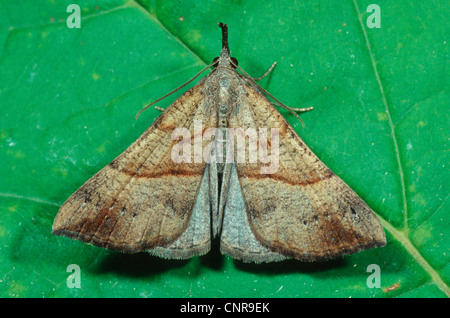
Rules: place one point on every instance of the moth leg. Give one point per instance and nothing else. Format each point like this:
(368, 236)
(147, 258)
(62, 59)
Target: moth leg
(306, 109)
(275, 102)
(266, 73)
(302, 110)
(251, 82)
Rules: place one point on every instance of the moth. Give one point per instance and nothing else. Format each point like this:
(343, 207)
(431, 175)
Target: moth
(146, 201)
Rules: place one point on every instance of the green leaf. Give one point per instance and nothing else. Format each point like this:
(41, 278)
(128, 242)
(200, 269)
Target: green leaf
(68, 98)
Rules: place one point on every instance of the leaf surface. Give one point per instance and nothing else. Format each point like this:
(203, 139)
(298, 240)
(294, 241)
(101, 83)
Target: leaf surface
(68, 98)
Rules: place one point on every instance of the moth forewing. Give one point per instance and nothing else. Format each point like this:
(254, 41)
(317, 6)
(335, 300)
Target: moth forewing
(302, 210)
(143, 199)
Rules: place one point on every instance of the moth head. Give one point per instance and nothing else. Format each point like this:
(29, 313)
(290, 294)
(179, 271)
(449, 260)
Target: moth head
(225, 59)
(233, 62)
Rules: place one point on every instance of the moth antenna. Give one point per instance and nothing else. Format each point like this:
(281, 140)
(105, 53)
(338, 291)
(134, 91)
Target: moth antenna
(176, 89)
(280, 104)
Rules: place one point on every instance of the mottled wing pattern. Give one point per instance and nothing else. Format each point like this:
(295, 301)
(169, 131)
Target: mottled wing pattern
(142, 200)
(303, 210)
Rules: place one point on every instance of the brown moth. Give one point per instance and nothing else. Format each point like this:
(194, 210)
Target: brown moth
(145, 201)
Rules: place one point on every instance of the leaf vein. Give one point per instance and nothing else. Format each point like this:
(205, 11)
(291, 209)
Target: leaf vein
(400, 235)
